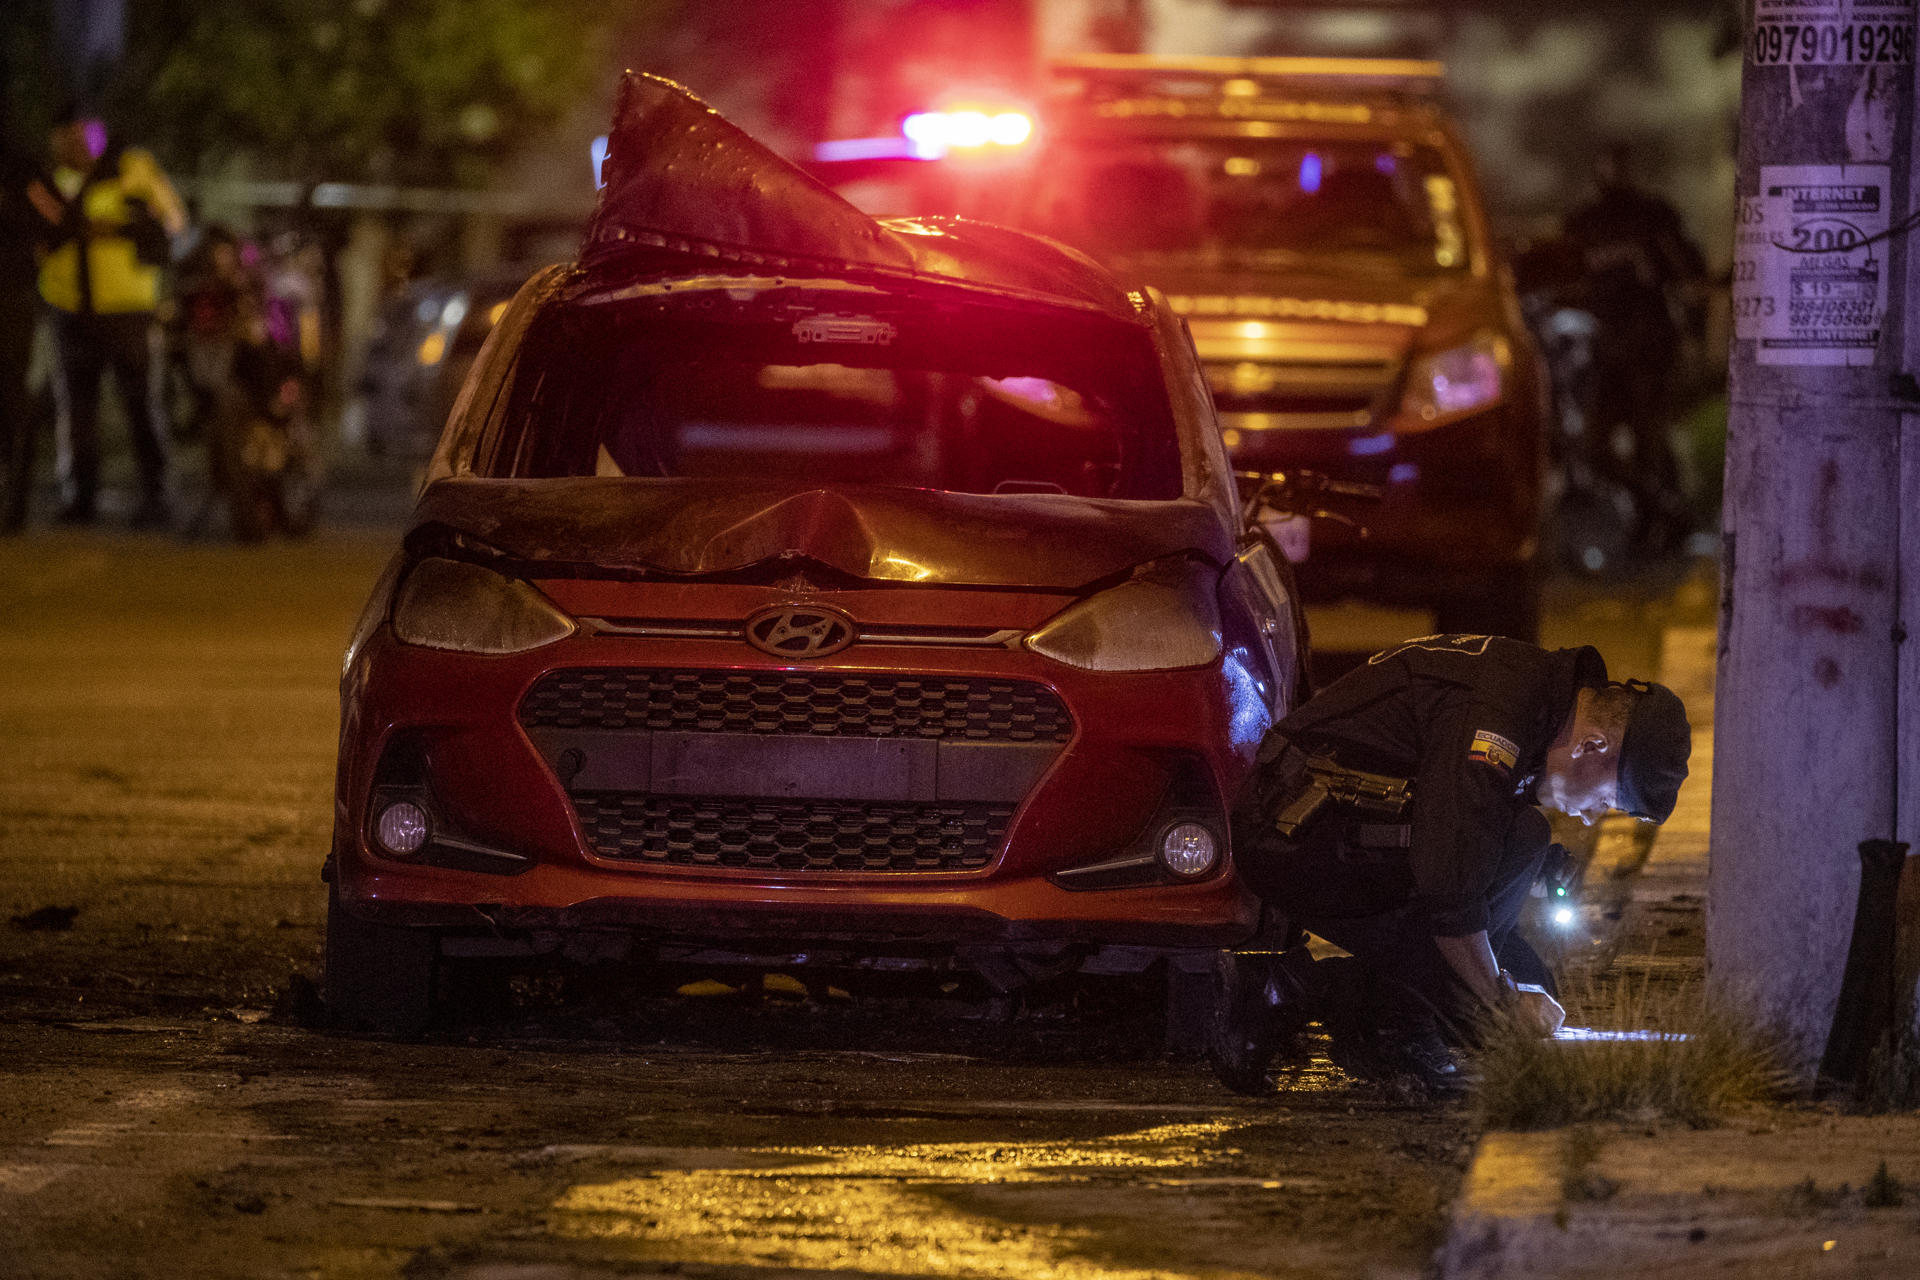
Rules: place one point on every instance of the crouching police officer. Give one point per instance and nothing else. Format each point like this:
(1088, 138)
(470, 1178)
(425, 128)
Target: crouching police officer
(1394, 815)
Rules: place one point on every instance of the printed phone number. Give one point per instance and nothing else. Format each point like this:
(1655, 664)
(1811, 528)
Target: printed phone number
(1852, 316)
(1831, 43)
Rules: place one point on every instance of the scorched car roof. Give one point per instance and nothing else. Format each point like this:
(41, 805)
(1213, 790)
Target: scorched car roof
(686, 188)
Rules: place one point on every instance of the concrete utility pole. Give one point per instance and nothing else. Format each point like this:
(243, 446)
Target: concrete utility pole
(1812, 755)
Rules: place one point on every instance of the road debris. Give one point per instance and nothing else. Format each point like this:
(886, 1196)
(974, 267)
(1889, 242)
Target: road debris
(46, 920)
(405, 1205)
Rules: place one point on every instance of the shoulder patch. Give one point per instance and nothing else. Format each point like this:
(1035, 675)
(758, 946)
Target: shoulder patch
(1490, 748)
(1471, 645)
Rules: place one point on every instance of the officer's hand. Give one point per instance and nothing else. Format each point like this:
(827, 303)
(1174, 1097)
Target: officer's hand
(1535, 1010)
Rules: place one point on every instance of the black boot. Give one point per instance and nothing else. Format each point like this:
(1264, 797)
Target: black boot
(1262, 1002)
(1385, 1033)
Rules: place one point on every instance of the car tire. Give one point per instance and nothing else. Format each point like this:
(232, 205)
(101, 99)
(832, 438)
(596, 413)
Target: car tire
(378, 977)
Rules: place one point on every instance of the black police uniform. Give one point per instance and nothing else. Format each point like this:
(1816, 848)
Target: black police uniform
(1468, 719)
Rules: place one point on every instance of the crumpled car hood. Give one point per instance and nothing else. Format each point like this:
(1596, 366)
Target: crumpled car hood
(891, 535)
(676, 168)
(681, 182)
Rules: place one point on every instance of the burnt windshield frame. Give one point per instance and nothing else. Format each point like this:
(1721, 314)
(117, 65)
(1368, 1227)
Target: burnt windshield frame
(578, 353)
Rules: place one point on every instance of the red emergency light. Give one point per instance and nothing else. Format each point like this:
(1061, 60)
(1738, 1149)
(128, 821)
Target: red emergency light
(966, 130)
(933, 134)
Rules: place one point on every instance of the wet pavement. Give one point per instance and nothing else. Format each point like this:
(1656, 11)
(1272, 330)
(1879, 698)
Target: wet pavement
(168, 1107)
(191, 1148)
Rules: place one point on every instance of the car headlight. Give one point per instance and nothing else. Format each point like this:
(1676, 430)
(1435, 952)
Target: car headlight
(449, 604)
(1163, 618)
(1446, 384)
(374, 613)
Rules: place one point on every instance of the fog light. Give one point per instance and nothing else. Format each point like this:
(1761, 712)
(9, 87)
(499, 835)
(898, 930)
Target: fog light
(1187, 849)
(402, 828)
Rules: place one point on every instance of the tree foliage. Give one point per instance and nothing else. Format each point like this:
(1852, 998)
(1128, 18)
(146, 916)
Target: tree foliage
(29, 87)
(408, 91)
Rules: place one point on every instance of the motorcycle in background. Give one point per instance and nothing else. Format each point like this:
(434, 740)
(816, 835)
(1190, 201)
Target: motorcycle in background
(1592, 510)
(245, 348)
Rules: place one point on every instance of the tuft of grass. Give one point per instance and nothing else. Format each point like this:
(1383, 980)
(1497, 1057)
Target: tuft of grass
(1808, 1198)
(1710, 1060)
(1885, 1191)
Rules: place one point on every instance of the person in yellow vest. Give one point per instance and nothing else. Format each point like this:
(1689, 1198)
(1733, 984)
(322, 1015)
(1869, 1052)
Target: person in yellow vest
(101, 281)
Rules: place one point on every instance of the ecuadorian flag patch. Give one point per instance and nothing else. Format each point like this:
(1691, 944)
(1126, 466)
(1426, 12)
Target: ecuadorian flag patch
(1489, 747)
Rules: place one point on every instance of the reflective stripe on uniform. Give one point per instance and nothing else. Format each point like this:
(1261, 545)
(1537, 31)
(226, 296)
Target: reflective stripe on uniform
(119, 281)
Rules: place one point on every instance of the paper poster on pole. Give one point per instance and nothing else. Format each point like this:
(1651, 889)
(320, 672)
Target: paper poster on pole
(1826, 33)
(1810, 268)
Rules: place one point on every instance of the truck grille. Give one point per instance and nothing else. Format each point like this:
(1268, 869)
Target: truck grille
(1301, 394)
(804, 703)
(790, 836)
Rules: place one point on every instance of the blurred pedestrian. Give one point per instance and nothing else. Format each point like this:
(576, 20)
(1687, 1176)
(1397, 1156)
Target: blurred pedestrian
(216, 296)
(101, 282)
(24, 226)
(1644, 281)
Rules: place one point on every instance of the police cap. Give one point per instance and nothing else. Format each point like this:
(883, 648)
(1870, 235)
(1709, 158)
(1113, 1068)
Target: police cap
(1653, 751)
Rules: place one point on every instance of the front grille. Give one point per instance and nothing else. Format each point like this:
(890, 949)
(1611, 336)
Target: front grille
(816, 703)
(792, 835)
(1349, 389)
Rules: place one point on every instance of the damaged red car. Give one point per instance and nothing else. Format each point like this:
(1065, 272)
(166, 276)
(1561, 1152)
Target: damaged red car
(793, 584)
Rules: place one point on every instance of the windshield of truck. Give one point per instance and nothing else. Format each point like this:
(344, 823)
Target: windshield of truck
(1254, 203)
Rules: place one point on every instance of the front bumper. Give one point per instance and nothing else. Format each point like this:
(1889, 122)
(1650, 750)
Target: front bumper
(493, 782)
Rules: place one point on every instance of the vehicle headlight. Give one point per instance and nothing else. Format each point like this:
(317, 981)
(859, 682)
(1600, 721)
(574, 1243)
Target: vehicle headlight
(1459, 380)
(449, 604)
(373, 614)
(1164, 617)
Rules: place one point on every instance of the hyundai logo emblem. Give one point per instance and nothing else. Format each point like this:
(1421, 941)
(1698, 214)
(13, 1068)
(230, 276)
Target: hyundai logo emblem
(799, 632)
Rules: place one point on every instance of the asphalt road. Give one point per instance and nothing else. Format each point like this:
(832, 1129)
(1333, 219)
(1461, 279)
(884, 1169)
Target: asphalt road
(170, 1107)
